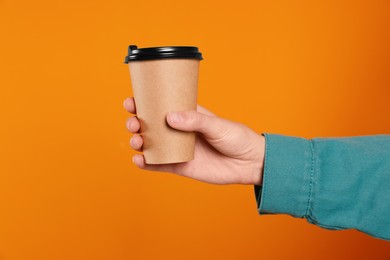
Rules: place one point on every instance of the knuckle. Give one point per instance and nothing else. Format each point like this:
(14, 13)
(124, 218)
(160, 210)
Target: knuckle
(128, 123)
(194, 117)
(133, 123)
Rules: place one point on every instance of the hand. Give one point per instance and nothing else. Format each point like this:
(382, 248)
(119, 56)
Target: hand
(226, 152)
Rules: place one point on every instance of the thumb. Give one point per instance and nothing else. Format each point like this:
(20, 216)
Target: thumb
(212, 127)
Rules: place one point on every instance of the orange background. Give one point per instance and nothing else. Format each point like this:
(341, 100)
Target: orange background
(68, 188)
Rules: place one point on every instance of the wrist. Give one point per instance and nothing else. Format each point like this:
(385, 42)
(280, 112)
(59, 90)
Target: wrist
(259, 164)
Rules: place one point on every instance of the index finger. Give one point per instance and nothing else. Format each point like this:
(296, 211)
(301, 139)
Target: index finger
(129, 105)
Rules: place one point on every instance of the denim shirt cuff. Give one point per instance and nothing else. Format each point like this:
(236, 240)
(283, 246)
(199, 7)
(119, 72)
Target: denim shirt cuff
(287, 177)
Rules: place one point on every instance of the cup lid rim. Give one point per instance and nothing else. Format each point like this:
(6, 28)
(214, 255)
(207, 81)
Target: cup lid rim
(162, 52)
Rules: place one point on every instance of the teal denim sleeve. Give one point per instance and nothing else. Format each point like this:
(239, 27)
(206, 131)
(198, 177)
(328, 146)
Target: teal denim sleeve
(334, 183)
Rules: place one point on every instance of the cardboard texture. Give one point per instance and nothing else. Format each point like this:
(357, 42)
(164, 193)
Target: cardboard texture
(161, 86)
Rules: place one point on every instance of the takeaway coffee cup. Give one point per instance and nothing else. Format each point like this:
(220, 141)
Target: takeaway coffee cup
(164, 79)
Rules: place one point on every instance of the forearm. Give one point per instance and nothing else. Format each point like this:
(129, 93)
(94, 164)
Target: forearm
(335, 183)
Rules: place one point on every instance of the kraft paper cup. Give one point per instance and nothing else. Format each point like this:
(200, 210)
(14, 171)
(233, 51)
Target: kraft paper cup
(164, 79)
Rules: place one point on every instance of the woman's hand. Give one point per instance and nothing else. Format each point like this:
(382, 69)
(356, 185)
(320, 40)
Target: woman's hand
(226, 152)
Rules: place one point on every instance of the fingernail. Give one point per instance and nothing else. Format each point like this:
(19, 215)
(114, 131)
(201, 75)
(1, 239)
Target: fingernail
(176, 117)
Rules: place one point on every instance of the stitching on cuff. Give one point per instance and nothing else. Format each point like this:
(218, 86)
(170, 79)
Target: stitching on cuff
(265, 170)
(311, 178)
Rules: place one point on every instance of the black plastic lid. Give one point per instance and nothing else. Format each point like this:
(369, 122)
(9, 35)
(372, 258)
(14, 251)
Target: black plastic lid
(165, 52)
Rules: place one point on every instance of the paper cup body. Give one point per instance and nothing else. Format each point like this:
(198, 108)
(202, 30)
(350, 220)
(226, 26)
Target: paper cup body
(161, 86)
